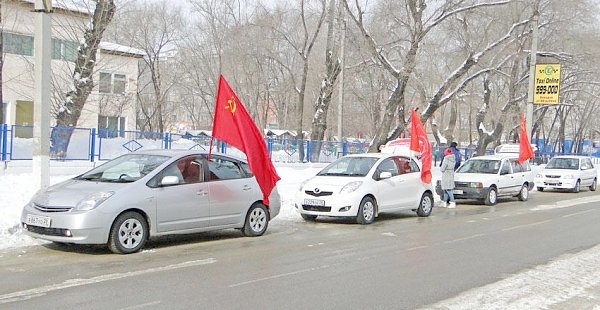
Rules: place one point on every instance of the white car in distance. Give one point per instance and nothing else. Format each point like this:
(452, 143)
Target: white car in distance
(568, 172)
(362, 186)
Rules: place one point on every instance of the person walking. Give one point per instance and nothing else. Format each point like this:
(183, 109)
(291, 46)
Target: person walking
(447, 184)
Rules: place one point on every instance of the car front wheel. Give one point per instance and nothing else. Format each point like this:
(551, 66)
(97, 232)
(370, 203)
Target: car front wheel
(540, 189)
(366, 211)
(426, 205)
(128, 234)
(594, 185)
(257, 221)
(577, 187)
(492, 196)
(524, 193)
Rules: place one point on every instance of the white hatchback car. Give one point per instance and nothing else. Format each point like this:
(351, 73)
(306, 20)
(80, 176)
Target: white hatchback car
(568, 172)
(362, 186)
(488, 177)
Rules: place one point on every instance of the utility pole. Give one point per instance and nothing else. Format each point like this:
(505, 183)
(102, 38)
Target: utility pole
(41, 99)
(341, 83)
(532, 62)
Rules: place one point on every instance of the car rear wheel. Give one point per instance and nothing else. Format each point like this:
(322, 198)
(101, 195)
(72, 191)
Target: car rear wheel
(366, 211)
(492, 197)
(309, 217)
(257, 221)
(426, 205)
(540, 189)
(128, 234)
(594, 185)
(577, 187)
(524, 193)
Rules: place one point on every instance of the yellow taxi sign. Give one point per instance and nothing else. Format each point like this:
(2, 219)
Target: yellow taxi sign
(547, 84)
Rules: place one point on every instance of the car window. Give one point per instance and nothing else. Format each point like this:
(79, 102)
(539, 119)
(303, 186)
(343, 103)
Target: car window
(586, 163)
(223, 169)
(388, 165)
(485, 166)
(126, 168)
(505, 168)
(516, 167)
(188, 170)
(246, 170)
(403, 165)
(563, 163)
(414, 167)
(349, 166)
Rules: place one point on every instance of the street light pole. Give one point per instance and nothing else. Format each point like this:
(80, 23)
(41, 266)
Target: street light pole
(532, 62)
(41, 99)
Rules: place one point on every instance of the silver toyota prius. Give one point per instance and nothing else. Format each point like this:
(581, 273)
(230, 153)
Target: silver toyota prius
(151, 193)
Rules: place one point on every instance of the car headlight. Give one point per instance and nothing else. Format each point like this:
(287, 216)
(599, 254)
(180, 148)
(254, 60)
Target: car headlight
(350, 187)
(568, 176)
(539, 175)
(92, 201)
(302, 185)
(476, 184)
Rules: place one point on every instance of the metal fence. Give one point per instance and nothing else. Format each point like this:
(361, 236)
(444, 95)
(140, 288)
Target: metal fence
(16, 143)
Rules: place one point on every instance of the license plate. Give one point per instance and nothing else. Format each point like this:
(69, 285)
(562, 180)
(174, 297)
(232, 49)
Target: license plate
(314, 202)
(457, 191)
(37, 220)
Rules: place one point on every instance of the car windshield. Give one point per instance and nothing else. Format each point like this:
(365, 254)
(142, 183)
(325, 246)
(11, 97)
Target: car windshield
(350, 166)
(485, 166)
(124, 169)
(563, 163)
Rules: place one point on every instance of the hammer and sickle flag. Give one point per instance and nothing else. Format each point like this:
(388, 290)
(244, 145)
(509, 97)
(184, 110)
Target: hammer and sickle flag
(233, 124)
(420, 143)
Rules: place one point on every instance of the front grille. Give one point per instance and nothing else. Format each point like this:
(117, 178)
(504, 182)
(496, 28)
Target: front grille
(52, 208)
(319, 194)
(316, 208)
(461, 184)
(553, 176)
(47, 231)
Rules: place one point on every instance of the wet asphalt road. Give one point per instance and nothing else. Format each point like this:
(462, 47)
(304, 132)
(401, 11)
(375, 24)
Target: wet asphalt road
(399, 262)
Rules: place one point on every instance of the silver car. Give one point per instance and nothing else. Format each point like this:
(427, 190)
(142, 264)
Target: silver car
(151, 193)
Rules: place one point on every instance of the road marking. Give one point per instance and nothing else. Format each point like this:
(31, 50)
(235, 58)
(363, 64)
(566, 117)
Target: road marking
(417, 248)
(567, 203)
(578, 213)
(141, 306)
(279, 276)
(35, 292)
(465, 238)
(526, 225)
(567, 277)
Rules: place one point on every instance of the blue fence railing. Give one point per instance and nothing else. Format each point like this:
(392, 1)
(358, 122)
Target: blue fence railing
(16, 143)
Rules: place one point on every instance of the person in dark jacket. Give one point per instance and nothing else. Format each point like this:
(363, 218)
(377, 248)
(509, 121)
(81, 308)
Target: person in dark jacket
(457, 156)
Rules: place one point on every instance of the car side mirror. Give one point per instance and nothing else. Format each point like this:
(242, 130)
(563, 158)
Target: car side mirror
(385, 175)
(169, 180)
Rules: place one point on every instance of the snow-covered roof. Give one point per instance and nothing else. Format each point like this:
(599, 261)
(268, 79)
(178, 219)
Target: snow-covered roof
(279, 132)
(118, 48)
(79, 6)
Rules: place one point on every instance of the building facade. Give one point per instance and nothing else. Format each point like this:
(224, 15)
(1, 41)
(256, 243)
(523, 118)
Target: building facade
(111, 105)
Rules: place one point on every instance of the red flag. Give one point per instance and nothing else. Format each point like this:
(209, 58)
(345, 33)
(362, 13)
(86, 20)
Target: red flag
(525, 150)
(420, 143)
(233, 124)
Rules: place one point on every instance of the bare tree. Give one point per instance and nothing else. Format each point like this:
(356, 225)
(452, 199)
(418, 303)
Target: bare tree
(70, 110)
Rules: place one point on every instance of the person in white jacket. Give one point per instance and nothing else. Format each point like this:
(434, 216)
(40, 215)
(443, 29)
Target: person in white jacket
(447, 183)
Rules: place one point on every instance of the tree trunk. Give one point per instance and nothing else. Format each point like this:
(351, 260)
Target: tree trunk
(70, 110)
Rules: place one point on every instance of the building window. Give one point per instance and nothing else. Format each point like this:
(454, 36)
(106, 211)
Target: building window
(111, 126)
(64, 50)
(112, 83)
(17, 44)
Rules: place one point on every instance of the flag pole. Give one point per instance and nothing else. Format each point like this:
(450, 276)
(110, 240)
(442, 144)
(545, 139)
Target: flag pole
(214, 117)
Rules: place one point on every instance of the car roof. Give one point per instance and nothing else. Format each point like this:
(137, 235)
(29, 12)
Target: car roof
(182, 152)
(494, 157)
(376, 155)
(571, 156)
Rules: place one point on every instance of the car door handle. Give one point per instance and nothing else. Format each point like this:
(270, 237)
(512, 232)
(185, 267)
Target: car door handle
(202, 193)
(247, 188)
